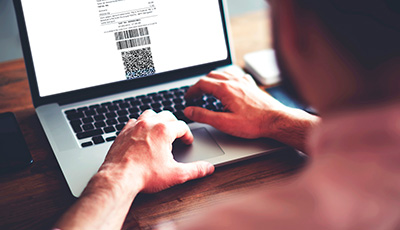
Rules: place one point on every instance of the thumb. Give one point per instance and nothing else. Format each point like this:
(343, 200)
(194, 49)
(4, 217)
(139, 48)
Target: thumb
(196, 170)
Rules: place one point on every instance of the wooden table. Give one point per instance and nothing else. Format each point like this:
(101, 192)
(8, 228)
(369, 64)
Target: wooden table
(36, 197)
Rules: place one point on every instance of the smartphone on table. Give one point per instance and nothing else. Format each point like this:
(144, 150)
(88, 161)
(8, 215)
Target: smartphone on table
(14, 152)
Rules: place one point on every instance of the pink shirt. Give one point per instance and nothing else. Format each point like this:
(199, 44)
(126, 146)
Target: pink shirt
(358, 156)
(351, 182)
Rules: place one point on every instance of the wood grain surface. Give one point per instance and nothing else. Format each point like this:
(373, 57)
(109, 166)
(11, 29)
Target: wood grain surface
(34, 198)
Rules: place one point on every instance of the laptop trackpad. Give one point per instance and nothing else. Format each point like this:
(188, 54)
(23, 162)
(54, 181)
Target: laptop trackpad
(203, 147)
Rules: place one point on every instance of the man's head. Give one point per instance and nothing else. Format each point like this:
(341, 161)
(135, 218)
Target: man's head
(339, 53)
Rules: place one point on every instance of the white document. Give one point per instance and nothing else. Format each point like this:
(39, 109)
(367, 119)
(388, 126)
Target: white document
(80, 44)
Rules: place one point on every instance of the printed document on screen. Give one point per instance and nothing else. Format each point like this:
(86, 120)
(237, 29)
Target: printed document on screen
(78, 44)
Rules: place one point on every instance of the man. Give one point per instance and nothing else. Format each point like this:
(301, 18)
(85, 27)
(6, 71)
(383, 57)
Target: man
(343, 57)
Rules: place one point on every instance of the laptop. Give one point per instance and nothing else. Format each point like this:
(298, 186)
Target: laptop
(93, 65)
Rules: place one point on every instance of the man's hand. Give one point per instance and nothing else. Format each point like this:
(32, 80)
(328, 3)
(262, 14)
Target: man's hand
(140, 160)
(246, 105)
(250, 112)
(144, 148)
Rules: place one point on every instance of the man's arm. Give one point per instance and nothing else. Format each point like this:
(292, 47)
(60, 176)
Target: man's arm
(140, 160)
(250, 112)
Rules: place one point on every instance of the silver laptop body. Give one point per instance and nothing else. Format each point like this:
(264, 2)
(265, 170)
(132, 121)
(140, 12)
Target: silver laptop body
(83, 53)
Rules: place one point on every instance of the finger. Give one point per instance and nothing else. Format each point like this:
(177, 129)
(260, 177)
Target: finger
(146, 114)
(130, 123)
(218, 120)
(219, 75)
(229, 74)
(166, 116)
(180, 130)
(205, 85)
(195, 170)
(239, 77)
(250, 79)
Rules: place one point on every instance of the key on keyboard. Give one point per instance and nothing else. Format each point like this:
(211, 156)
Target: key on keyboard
(100, 123)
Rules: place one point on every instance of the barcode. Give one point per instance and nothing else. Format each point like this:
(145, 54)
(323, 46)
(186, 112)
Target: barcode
(138, 63)
(131, 33)
(133, 43)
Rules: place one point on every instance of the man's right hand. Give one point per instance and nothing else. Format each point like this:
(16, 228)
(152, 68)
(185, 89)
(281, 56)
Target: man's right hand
(250, 112)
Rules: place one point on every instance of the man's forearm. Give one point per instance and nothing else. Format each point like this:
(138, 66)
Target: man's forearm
(103, 205)
(290, 127)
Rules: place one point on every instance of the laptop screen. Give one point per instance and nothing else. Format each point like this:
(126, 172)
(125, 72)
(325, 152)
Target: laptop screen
(79, 44)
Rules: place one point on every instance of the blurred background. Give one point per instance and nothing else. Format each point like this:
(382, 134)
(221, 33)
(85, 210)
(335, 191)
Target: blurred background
(10, 47)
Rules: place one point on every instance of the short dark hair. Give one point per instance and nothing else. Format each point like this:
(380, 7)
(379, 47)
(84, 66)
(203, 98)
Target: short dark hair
(369, 30)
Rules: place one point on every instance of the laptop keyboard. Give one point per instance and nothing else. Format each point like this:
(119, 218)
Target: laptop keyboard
(99, 123)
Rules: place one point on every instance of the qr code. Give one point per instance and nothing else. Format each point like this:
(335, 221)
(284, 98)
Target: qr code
(138, 63)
